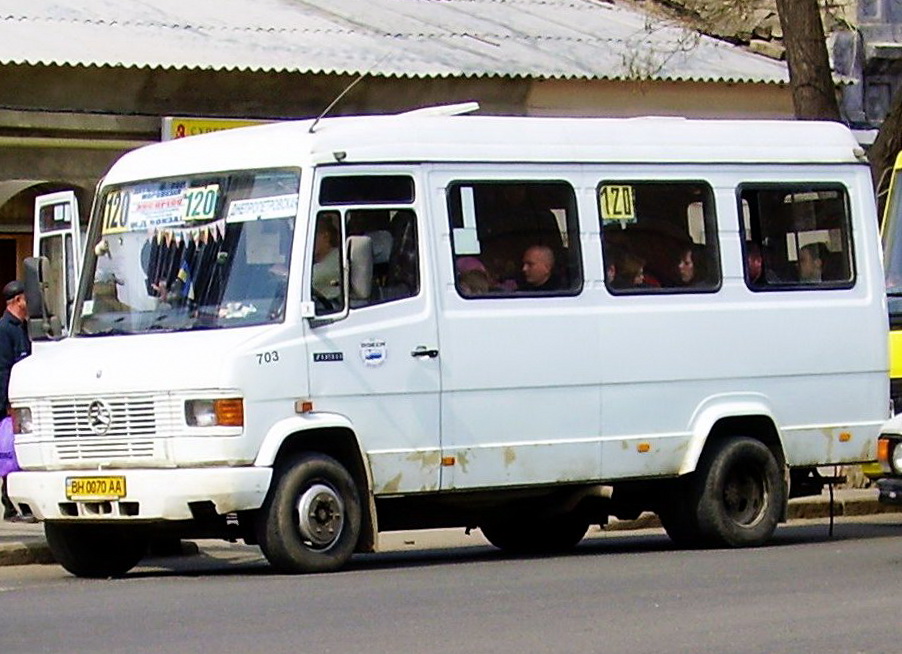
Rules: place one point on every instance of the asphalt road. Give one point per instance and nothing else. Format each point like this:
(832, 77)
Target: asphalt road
(621, 592)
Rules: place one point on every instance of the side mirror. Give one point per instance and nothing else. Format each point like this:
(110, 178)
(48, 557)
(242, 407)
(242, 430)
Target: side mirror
(42, 325)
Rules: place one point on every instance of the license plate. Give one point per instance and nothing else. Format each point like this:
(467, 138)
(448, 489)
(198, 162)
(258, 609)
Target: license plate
(95, 488)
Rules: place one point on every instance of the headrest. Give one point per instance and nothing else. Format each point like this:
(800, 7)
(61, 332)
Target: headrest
(360, 263)
(382, 241)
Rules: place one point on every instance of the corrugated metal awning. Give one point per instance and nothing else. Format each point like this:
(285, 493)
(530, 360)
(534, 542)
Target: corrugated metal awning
(543, 39)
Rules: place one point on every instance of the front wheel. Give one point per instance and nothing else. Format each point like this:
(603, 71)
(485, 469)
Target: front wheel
(311, 520)
(96, 551)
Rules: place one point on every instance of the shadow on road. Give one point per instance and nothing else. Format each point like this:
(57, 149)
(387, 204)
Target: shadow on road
(242, 560)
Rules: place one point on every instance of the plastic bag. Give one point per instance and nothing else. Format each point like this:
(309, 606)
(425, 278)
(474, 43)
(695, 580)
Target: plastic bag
(8, 461)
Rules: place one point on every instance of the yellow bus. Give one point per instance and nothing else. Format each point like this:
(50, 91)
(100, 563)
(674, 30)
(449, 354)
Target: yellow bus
(891, 232)
(892, 254)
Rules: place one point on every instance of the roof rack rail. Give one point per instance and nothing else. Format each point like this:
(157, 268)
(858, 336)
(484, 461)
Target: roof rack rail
(444, 110)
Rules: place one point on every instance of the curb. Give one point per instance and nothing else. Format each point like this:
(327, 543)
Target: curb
(805, 508)
(36, 550)
(24, 553)
(802, 508)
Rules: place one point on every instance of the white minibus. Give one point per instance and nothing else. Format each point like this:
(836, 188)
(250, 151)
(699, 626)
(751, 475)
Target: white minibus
(304, 334)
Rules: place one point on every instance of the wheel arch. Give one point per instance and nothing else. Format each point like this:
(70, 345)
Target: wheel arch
(722, 419)
(333, 436)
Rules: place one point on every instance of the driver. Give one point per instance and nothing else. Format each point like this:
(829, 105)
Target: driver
(327, 258)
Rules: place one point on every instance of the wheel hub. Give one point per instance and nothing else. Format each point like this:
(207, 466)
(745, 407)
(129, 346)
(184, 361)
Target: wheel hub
(320, 515)
(744, 497)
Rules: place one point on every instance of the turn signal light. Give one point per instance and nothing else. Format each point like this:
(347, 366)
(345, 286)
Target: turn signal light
(883, 451)
(229, 412)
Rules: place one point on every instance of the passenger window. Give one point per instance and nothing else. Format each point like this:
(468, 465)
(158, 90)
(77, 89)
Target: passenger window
(658, 236)
(514, 238)
(796, 236)
(382, 248)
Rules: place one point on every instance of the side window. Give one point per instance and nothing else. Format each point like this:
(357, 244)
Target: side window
(381, 242)
(796, 236)
(514, 238)
(326, 277)
(382, 253)
(658, 236)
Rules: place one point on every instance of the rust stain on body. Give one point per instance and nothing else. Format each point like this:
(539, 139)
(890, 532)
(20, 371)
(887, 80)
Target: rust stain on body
(393, 484)
(510, 456)
(426, 459)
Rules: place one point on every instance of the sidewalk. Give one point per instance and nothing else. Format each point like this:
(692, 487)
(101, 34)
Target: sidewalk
(22, 543)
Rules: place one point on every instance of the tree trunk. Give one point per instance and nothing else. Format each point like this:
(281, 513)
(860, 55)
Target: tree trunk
(813, 91)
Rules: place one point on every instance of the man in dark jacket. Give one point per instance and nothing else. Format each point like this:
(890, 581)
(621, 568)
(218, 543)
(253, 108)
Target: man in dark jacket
(14, 346)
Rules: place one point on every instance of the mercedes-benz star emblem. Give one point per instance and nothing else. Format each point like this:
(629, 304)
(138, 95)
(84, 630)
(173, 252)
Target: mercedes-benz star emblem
(100, 417)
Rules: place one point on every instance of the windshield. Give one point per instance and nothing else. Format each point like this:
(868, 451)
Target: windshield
(199, 252)
(892, 239)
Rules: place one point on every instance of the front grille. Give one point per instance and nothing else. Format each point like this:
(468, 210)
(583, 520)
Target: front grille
(118, 427)
(103, 449)
(129, 417)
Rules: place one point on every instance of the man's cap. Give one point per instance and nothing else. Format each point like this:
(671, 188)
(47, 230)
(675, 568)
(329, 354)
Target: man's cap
(12, 289)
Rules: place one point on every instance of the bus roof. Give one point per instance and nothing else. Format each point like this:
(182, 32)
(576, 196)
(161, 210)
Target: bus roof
(442, 138)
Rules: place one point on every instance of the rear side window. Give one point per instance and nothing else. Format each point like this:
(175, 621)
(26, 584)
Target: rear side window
(514, 238)
(658, 237)
(796, 236)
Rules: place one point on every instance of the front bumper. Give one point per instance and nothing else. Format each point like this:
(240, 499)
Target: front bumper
(152, 494)
(890, 490)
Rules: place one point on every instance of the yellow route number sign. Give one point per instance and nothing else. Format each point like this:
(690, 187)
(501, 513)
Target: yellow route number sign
(617, 203)
(115, 213)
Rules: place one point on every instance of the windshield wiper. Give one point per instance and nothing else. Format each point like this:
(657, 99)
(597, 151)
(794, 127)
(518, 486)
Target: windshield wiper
(109, 331)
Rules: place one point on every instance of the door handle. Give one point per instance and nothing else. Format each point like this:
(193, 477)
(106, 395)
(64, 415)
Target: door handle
(423, 351)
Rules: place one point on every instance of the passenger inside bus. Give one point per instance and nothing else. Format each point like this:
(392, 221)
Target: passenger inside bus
(539, 270)
(811, 263)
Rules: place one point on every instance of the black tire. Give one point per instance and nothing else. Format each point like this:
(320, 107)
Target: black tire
(311, 519)
(548, 535)
(96, 551)
(739, 493)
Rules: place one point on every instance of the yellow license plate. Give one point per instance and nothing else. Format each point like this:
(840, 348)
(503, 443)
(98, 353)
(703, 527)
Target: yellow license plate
(95, 488)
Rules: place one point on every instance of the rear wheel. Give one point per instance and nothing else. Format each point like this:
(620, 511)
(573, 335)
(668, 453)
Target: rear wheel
(547, 535)
(740, 493)
(734, 498)
(96, 551)
(311, 520)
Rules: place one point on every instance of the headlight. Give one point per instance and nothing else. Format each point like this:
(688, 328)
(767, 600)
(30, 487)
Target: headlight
(896, 457)
(22, 420)
(227, 412)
